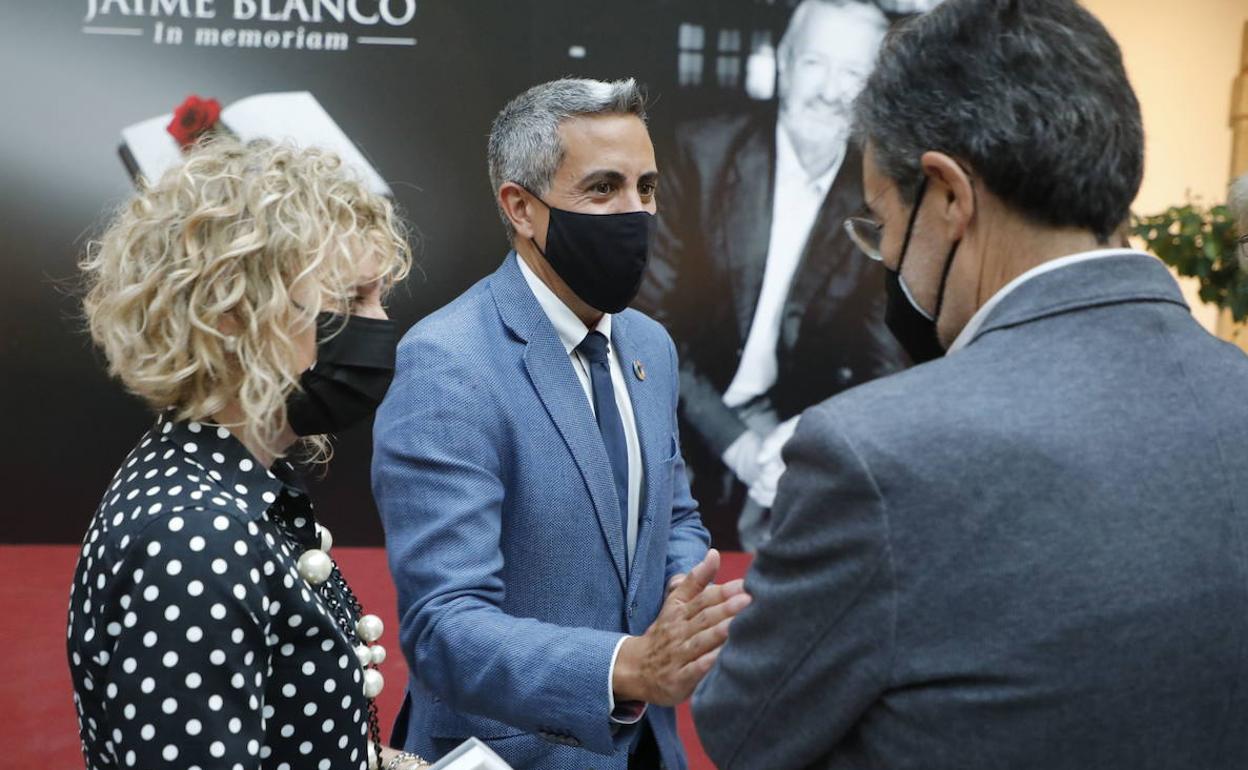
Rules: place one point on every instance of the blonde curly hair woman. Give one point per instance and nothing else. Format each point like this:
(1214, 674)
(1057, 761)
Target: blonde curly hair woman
(240, 297)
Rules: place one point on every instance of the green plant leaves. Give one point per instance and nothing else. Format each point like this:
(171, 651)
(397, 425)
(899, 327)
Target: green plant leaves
(1200, 243)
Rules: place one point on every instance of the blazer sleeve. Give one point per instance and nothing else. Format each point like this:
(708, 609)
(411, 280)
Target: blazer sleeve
(439, 483)
(672, 293)
(814, 650)
(689, 540)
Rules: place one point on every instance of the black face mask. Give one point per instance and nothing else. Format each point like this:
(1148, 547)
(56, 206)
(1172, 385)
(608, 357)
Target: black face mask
(909, 323)
(601, 257)
(353, 369)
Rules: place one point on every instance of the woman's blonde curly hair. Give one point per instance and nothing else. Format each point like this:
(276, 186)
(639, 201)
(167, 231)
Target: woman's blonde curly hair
(200, 284)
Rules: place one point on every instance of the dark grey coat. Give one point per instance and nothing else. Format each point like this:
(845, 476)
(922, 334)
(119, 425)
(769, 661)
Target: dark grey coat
(1029, 554)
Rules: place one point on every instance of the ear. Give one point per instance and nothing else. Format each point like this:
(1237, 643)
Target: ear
(517, 205)
(949, 184)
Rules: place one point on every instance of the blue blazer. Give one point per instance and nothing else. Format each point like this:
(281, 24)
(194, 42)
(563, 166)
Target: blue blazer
(503, 530)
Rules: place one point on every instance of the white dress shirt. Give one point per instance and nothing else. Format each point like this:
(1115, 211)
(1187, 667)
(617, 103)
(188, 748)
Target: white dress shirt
(572, 331)
(973, 326)
(794, 209)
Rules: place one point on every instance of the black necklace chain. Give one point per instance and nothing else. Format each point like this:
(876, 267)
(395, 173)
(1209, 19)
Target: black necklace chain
(345, 609)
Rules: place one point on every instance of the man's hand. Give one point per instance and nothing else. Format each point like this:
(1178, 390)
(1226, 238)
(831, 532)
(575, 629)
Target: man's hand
(664, 665)
(741, 457)
(771, 463)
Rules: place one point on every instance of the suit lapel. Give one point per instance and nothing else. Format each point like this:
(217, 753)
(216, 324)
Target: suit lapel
(745, 219)
(550, 370)
(649, 414)
(827, 248)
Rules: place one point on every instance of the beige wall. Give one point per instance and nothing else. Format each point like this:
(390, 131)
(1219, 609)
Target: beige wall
(1182, 58)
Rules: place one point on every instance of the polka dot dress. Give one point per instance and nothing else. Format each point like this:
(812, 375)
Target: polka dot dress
(193, 642)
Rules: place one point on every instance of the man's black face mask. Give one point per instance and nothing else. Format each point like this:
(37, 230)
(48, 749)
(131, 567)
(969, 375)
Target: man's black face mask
(601, 257)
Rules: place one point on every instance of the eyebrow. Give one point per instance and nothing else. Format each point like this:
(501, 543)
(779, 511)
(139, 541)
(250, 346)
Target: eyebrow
(614, 177)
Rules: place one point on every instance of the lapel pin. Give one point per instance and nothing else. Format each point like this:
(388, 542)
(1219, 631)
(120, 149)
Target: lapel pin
(639, 370)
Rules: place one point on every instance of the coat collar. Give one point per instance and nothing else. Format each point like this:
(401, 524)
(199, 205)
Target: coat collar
(1074, 285)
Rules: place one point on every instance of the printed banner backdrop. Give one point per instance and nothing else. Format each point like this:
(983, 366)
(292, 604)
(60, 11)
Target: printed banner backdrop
(415, 84)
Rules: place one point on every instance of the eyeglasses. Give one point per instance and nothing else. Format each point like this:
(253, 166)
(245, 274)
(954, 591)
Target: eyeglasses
(865, 234)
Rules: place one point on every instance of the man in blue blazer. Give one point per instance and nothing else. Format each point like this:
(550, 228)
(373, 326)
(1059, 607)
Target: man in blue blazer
(556, 593)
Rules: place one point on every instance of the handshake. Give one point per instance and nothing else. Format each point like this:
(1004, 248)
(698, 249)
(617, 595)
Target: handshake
(756, 461)
(664, 665)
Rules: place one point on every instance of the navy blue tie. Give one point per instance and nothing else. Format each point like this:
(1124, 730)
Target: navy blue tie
(594, 348)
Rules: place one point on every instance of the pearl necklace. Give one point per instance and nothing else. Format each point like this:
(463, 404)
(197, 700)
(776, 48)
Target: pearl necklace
(319, 570)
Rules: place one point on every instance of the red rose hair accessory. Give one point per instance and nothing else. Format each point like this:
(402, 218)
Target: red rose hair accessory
(192, 119)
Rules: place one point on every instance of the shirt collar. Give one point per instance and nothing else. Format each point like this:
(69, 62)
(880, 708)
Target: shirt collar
(977, 321)
(244, 486)
(571, 330)
(789, 166)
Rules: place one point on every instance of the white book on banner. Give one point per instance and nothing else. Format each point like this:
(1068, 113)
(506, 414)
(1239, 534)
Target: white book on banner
(472, 754)
(148, 149)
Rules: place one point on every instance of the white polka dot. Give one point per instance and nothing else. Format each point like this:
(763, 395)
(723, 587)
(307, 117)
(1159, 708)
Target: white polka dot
(222, 523)
(309, 708)
(174, 567)
(197, 543)
(288, 730)
(294, 620)
(190, 447)
(217, 749)
(240, 548)
(194, 634)
(175, 523)
(195, 588)
(147, 685)
(237, 681)
(215, 702)
(169, 705)
(235, 724)
(268, 497)
(308, 668)
(129, 711)
(216, 657)
(172, 612)
(149, 639)
(193, 680)
(153, 548)
(219, 566)
(330, 685)
(218, 457)
(193, 727)
(305, 747)
(129, 665)
(147, 732)
(237, 637)
(223, 433)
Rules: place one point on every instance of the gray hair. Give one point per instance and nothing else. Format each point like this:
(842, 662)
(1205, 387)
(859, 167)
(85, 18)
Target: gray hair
(1031, 94)
(1238, 203)
(524, 142)
(798, 20)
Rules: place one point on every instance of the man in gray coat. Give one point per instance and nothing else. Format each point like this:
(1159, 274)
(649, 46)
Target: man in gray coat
(1030, 551)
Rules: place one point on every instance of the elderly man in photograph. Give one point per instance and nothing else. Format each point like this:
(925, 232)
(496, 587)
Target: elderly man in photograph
(556, 593)
(1030, 550)
(771, 307)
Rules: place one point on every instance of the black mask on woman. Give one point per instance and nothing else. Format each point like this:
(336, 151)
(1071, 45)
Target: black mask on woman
(601, 257)
(353, 369)
(909, 323)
